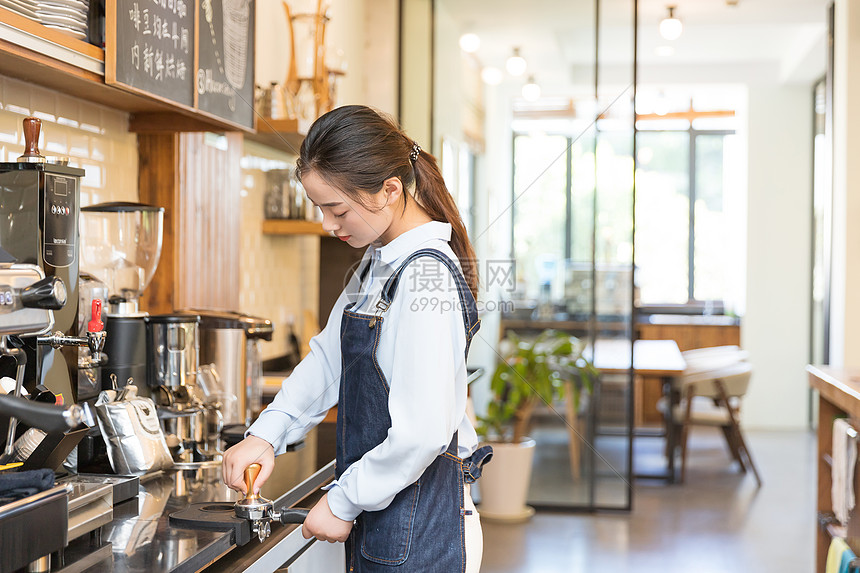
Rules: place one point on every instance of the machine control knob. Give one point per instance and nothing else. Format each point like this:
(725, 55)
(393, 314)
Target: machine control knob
(48, 293)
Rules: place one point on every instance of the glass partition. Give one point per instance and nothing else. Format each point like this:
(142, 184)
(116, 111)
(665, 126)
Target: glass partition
(552, 194)
(613, 253)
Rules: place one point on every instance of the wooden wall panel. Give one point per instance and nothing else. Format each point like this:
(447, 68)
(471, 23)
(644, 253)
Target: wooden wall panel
(158, 180)
(199, 184)
(208, 249)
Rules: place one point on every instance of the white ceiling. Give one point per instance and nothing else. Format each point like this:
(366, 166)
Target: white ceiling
(557, 36)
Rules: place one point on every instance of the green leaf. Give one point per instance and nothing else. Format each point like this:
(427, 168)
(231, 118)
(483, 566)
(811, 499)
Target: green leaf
(537, 368)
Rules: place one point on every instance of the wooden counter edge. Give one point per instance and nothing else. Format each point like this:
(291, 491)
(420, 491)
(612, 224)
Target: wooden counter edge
(839, 386)
(838, 393)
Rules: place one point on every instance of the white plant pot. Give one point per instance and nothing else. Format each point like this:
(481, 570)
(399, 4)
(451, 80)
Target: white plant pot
(504, 482)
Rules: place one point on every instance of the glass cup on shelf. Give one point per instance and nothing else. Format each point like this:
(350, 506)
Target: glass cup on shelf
(273, 201)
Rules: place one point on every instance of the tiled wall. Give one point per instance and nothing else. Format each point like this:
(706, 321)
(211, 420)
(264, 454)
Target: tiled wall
(95, 138)
(279, 274)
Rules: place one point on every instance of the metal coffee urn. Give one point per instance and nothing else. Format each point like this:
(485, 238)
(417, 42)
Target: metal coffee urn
(230, 341)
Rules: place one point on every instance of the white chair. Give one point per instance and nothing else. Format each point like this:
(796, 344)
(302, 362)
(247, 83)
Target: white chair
(712, 358)
(711, 351)
(711, 397)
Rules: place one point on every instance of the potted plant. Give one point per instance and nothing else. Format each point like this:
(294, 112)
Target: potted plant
(547, 368)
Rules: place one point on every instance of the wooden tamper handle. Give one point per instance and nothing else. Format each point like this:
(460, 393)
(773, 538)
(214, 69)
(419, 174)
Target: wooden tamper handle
(251, 473)
(32, 127)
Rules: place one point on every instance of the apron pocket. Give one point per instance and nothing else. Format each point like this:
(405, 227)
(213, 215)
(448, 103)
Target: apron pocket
(387, 534)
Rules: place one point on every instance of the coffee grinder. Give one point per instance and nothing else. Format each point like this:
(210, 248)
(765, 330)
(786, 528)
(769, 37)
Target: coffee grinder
(173, 350)
(121, 246)
(39, 205)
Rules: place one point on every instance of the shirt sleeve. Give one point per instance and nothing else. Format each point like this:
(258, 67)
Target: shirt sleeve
(428, 374)
(311, 389)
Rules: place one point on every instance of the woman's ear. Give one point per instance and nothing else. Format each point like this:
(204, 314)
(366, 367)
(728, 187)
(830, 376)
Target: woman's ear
(393, 189)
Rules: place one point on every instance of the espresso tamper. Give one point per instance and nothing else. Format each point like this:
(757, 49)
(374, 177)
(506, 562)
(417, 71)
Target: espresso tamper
(261, 511)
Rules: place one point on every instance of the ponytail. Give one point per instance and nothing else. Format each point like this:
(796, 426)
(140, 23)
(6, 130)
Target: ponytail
(432, 194)
(355, 148)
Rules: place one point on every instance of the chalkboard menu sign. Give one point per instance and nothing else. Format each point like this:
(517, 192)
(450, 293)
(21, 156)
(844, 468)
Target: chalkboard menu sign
(149, 48)
(225, 64)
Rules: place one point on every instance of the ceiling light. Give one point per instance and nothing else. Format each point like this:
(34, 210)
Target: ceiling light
(531, 91)
(470, 42)
(491, 76)
(516, 64)
(671, 27)
(665, 51)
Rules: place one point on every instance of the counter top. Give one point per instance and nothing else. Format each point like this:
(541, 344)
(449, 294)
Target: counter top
(690, 319)
(838, 394)
(141, 539)
(840, 386)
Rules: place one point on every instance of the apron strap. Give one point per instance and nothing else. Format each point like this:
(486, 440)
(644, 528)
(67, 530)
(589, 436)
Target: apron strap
(467, 301)
(472, 466)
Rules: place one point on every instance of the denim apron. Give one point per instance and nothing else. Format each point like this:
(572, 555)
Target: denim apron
(422, 529)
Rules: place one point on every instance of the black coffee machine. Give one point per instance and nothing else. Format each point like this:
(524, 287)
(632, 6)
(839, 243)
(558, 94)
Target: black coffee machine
(39, 206)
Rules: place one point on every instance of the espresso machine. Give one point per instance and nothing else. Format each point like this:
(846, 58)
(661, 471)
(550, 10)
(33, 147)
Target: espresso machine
(27, 299)
(39, 205)
(39, 263)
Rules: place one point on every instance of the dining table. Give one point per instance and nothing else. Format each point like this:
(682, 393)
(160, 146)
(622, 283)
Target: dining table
(652, 358)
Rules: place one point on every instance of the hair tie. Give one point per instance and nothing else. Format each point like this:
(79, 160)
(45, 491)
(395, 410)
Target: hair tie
(413, 155)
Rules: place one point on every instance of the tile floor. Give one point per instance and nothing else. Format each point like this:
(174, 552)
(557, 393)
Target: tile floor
(716, 522)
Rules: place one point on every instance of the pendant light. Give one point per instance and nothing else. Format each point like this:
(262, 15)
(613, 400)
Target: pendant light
(470, 42)
(531, 91)
(671, 27)
(516, 64)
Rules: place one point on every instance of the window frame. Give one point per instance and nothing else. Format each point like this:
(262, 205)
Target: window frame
(693, 133)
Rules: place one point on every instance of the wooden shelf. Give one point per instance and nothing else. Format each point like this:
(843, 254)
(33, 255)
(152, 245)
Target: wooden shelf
(41, 56)
(18, 29)
(292, 227)
(284, 134)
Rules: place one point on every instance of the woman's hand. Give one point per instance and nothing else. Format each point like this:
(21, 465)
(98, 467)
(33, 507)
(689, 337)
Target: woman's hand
(324, 525)
(249, 451)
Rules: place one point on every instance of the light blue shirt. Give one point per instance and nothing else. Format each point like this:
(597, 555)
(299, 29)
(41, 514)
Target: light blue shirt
(422, 356)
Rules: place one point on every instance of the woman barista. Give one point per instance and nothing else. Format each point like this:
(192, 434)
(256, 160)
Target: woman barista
(392, 356)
